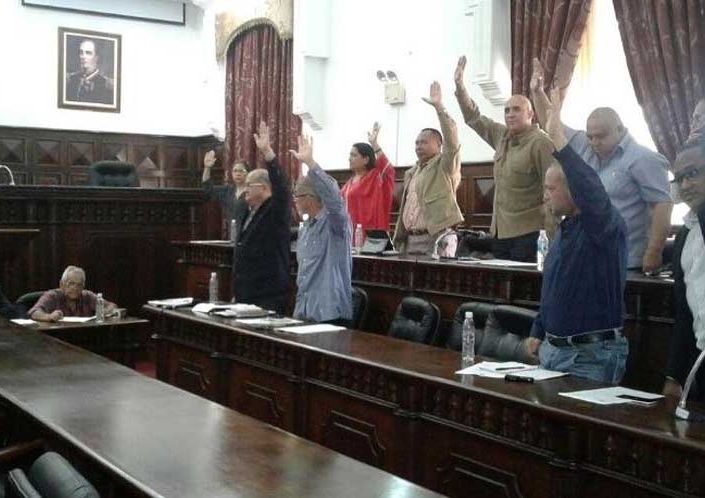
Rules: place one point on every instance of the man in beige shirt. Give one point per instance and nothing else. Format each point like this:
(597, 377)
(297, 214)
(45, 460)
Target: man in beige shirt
(428, 205)
(523, 153)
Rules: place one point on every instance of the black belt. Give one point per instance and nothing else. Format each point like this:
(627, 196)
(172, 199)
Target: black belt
(417, 232)
(587, 338)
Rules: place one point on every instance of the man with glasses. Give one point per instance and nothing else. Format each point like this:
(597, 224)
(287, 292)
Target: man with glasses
(261, 254)
(688, 338)
(70, 299)
(323, 249)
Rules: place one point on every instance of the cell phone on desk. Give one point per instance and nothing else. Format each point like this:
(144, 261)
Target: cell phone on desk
(640, 400)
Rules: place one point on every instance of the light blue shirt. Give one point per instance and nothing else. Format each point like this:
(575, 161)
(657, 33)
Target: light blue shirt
(324, 258)
(634, 177)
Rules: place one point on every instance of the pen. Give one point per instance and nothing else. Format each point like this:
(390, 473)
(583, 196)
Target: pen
(501, 369)
(518, 378)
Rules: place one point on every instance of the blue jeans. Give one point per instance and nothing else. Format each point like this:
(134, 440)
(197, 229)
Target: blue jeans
(603, 361)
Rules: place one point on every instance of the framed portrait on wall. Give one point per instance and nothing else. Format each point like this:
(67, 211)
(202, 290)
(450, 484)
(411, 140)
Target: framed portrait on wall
(89, 70)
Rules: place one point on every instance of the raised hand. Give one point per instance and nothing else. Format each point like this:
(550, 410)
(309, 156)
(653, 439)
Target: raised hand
(435, 97)
(460, 71)
(209, 159)
(554, 127)
(372, 135)
(537, 74)
(305, 152)
(262, 137)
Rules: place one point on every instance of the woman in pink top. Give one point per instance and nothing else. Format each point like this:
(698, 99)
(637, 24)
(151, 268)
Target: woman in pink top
(368, 193)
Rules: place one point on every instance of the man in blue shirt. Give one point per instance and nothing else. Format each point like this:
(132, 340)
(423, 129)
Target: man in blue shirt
(323, 248)
(579, 325)
(636, 178)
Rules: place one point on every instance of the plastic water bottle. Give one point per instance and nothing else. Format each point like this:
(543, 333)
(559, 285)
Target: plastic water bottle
(468, 353)
(213, 288)
(99, 308)
(359, 239)
(233, 230)
(541, 249)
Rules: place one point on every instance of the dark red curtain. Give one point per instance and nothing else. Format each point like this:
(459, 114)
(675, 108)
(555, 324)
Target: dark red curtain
(551, 30)
(259, 86)
(664, 43)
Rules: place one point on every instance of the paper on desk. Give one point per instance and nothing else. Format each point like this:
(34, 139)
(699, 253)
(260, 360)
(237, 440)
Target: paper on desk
(172, 303)
(230, 310)
(501, 262)
(23, 321)
(609, 395)
(268, 322)
(77, 319)
(312, 329)
(497, 370)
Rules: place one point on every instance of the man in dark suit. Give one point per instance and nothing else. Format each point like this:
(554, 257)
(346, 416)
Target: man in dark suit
(688, 339)
(261, 254)
(88, 84)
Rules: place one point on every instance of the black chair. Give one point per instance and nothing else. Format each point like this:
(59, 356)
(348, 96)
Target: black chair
(113, 174)
(415, 320)
(360, 302)
(30, 299)
(50, 476)
(500, 331)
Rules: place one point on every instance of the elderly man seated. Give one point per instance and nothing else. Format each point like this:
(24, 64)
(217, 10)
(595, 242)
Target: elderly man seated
(70, 299)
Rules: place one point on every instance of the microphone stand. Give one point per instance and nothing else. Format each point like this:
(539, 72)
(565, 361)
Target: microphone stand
(9, 172)
(681, 411)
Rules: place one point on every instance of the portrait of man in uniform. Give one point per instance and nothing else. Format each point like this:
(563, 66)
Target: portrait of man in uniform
(89, 70)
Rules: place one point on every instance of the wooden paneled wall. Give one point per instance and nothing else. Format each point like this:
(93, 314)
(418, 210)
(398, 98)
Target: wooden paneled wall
(61, 157)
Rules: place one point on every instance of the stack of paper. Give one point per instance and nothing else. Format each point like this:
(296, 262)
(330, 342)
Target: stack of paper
(171, 303)
(312, 329)
(268, 322)
(237, 310)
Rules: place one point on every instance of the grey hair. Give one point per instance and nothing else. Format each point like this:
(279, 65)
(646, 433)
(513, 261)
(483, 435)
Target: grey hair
(72, 269)
(259, 176)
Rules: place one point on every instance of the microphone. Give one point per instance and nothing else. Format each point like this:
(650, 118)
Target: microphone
(9, 172)
(681, 411)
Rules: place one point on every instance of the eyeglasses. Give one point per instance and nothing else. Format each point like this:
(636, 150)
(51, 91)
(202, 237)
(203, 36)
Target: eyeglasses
(299, 196)
(74, 285)
(688, 174)
(254, 184)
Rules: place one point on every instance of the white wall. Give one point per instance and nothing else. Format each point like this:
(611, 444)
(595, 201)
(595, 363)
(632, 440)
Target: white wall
(164, 86)
(420, 42)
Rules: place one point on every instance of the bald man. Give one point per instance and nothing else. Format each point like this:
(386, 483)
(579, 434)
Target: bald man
(635, 177)
(261, 254)
(523, 154)
(579, 325)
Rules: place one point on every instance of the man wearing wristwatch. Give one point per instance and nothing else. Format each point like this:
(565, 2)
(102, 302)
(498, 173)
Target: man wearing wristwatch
(428, 204)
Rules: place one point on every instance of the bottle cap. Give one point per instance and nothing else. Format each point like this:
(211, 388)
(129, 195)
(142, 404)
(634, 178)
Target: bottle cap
(359, 225)
(100, 294)
(212, 274)
(468, 314)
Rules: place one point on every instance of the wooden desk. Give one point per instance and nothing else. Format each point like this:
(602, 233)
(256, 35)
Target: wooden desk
(399, 406)
(133, 436)
(649, 310)
(120, 236)
(123, 340)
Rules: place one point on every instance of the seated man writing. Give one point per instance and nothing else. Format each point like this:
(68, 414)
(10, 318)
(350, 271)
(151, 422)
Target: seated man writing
(70, 299)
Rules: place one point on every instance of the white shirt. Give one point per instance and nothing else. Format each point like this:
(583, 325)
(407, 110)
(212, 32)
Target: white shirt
(693, 264)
